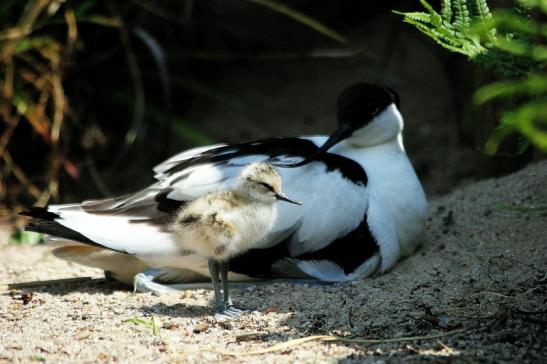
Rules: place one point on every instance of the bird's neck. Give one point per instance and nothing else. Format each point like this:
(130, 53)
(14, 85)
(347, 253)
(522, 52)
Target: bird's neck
(385, 128)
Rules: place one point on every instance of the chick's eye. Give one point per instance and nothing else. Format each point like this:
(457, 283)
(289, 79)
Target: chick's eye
(267, 186)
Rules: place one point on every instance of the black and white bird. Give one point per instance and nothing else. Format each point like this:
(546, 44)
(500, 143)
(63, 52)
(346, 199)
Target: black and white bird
(363, 205)
(223, 224)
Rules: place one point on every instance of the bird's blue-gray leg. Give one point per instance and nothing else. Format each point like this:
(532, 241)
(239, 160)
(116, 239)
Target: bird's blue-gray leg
(213, 272)
(229, 309)
(225, 287)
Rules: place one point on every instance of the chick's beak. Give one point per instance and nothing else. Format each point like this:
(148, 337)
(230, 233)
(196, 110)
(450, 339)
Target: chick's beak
(281, 197)
(342, 132)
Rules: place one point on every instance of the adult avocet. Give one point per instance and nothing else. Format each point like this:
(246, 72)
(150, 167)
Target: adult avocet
(363, 205)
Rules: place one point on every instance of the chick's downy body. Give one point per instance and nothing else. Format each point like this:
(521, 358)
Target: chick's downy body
(223, 224)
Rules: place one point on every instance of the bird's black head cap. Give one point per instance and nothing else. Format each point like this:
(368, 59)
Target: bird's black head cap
(360, 103)
(357, 106)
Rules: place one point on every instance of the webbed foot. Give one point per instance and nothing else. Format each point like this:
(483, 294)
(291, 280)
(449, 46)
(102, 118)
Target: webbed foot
(228, 312)
(144, 282)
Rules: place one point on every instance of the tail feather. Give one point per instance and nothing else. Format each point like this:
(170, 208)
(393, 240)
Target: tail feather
(41, 213)
(46, 224)
(56, 229)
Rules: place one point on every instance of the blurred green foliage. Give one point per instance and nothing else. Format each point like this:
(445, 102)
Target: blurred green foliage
(509, 42)
(21, 237)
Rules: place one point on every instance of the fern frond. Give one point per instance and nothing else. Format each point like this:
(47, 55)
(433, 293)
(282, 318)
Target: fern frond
(436, 18)
(481, 9)
(452, 28)
(428, 7)
(451, 43)
(462, 19)
(469, 28)
(483, 18)
(446, 11)
(418, 16)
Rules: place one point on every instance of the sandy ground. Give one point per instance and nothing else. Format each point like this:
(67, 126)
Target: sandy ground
(479, 281)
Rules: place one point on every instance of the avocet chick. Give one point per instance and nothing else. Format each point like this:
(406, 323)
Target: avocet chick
(225, 223)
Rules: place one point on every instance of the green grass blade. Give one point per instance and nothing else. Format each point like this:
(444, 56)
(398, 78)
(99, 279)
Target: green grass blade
(302, 18)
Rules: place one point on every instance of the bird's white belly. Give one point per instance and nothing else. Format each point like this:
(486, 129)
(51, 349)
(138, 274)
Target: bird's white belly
(397, 208)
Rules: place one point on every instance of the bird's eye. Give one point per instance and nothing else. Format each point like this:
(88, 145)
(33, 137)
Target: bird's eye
(267, 186)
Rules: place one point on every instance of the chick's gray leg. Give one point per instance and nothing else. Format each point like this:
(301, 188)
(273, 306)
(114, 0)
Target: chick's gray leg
(225, 286)
(213, 272)
(229, 310)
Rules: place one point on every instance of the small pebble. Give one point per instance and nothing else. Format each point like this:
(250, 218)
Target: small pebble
(201, 327)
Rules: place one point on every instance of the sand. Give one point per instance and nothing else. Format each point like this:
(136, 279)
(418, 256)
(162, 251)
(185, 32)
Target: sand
(479, 282)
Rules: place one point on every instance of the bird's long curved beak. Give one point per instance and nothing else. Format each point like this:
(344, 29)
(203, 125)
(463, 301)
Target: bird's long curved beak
(342, 132)
(281, 197)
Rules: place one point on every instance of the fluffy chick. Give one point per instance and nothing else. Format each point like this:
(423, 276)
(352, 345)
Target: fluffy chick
(225, 223)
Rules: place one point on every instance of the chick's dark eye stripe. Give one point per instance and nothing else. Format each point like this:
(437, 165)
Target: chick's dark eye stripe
(267, 186)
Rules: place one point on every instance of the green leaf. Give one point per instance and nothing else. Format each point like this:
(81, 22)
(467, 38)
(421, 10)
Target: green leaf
(82, 7)
(533, 85)
(28, 43)
(516, 23)
(530, 120)
(526, 120)
(151, 324)
(523, 48)
(154, 325)
(492, 144)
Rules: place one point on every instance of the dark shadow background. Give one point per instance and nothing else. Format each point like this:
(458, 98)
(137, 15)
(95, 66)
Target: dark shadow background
(177, 74)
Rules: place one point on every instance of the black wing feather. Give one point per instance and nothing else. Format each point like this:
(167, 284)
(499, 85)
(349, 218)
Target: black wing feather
(56, 229)
(349, 252)
(275, 147)
(40, 213)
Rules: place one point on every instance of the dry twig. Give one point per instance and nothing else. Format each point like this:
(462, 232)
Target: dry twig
(292, 343)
